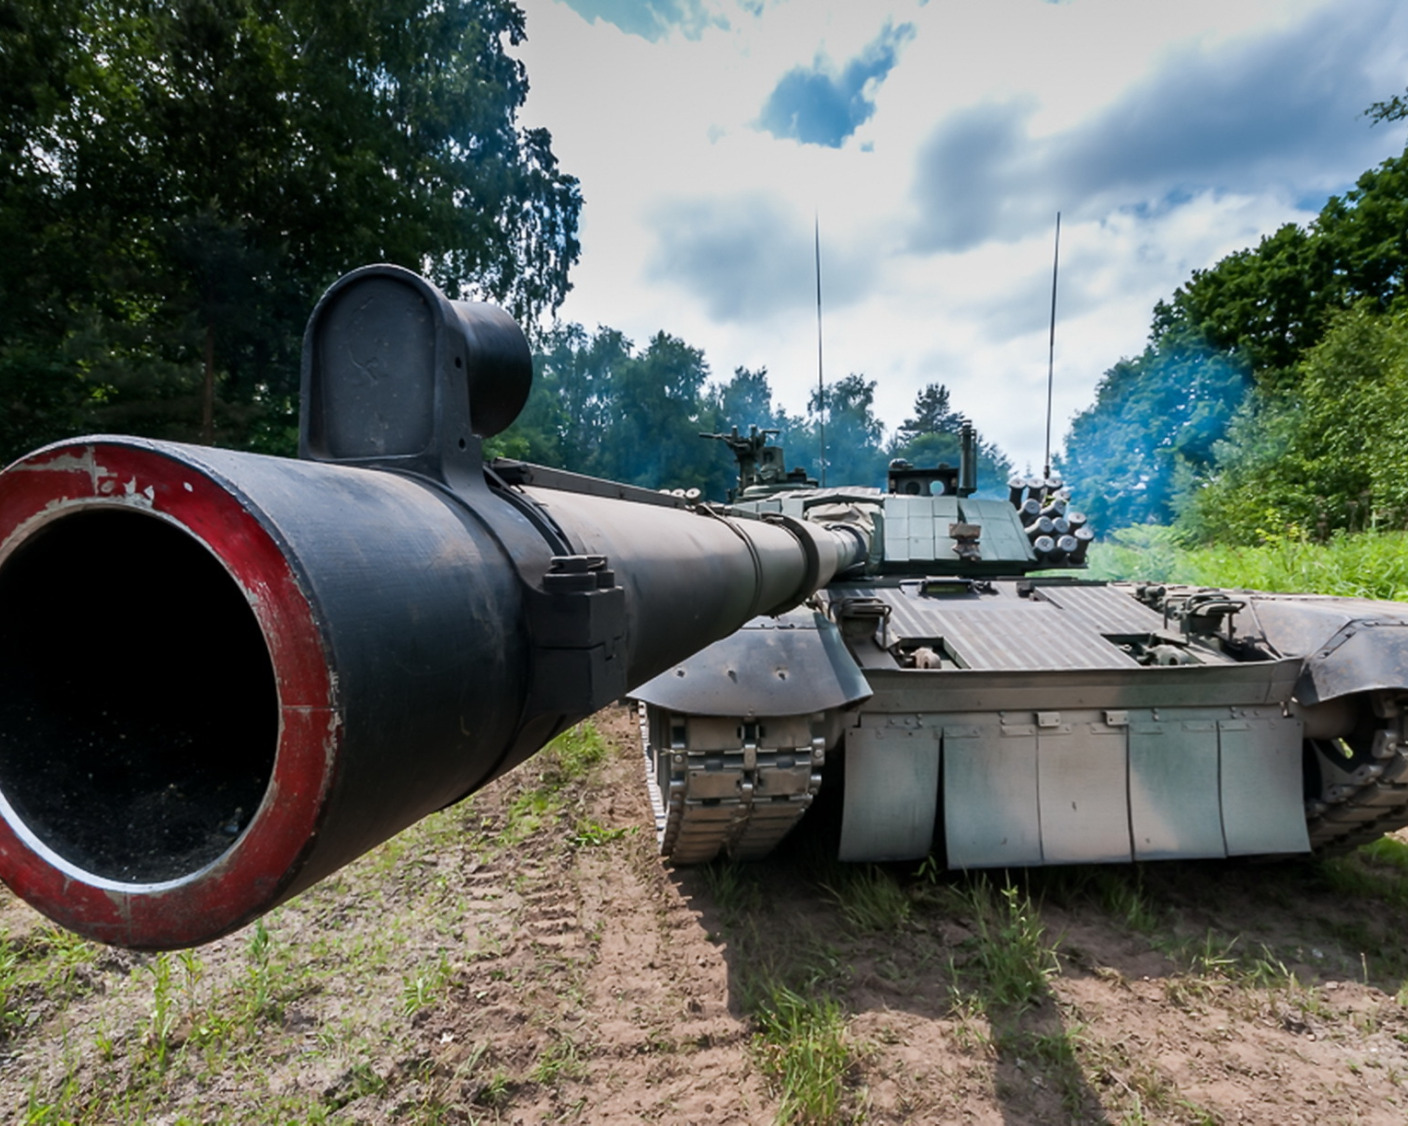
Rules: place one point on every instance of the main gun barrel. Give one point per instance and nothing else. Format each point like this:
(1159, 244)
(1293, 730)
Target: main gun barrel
(225, 675)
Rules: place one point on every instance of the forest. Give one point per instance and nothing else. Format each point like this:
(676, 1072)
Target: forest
(601, 406)
(168, 170)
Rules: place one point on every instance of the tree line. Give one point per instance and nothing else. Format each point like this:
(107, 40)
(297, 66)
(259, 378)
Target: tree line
(602, 406)
(181, 179)
(1271, 401)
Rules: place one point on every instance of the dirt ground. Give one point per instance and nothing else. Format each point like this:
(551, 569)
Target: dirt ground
(526, 957)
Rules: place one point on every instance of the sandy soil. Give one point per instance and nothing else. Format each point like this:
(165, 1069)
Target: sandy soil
(495, 968)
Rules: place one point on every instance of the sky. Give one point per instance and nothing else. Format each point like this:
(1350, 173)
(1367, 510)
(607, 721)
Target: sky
(933, 144)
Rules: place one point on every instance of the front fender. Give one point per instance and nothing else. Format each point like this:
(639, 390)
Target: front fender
(795, 664)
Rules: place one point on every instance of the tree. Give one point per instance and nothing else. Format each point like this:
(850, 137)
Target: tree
(1259, 309)
(600, 407)
(1391, 109)
(41, 67)
(1153, 428)
(658, 411)
(1330, 458)
(1160, 430)
(745, 400)
(200, 170)
(931, 437)
(855, 453)
(569, 414)
(932, 415)
(1265, 308)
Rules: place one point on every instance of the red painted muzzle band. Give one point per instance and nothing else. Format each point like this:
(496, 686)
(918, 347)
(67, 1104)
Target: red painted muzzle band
(168, 723)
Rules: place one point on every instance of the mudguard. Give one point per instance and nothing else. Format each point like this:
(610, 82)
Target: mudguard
(795, 664)
(1350, 645)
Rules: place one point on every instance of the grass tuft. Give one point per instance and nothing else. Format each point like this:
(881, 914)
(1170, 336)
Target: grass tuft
(161, 1021)
(869, 897)
(261, 1000)
(593, 834)
(1011, 948)
(733, 887)
(422, 989)
(577, 752)
(801, 1045)
(560, 1060)
(11, 1016)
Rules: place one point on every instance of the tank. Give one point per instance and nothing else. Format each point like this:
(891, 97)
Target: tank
(966, 693)
(225, 675)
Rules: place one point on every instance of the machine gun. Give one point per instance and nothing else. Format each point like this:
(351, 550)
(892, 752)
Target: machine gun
(761, 468)
(225, 675)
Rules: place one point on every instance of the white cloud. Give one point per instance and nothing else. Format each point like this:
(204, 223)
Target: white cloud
(1169, 135)
(1251, 114)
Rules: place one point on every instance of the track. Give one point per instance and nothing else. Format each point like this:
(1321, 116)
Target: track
(1363, 788)
(738, 804)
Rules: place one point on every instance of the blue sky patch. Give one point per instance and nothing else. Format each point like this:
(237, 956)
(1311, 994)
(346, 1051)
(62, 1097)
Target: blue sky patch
(818, 106)
(650, 19)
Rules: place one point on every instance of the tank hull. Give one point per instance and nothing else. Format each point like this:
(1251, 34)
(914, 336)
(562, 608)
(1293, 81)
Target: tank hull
(1021, 722)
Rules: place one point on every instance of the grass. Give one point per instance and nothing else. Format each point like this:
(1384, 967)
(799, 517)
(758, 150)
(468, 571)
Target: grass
(424, 988)
(1378, 871)
(558, 1061)
(1057, 1057)
(811, 952)
(197, 1036)
(870, 898)
(1137, 1092)
(798, 1008)
(592, 834)
(565, 762)
(1210, 956)
(41, 972)
(1363, 565)
(1118, 891)
(1389, 852)
(798, 1005)
(11, 1015)
(801, 1045)
(1368, 565)
(1010, 949)
(575, 754)
(161, 1023)
(791, 990)
(734, 890)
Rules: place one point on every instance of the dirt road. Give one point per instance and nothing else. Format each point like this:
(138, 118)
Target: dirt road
(525, 957)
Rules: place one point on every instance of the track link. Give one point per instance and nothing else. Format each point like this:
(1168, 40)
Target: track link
(733, 801)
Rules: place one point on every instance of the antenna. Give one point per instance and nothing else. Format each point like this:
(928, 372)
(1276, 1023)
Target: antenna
(1051, 350)
(820, 386)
